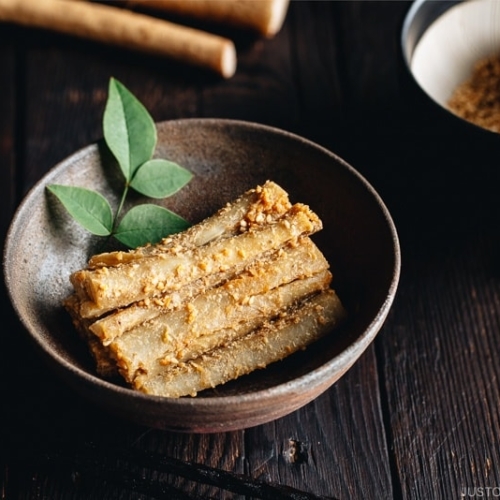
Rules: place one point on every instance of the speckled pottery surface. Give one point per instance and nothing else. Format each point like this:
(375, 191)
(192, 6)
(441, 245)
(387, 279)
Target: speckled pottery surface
(227, 157)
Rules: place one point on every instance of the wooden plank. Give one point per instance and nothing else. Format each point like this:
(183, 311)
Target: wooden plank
(438, 357)
(441, 371)
(262, 89)
(362, 101)
(370, 47)
(8, 125)
(317, 65)
(334, 446)
(8, 183)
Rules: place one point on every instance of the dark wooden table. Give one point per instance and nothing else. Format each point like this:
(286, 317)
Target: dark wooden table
(418, 415)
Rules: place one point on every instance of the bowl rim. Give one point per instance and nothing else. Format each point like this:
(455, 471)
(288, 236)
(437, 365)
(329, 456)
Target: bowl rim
(430, 10)
(352, 351)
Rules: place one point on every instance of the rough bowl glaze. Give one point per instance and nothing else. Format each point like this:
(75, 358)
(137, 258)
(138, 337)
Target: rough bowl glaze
(227, 157)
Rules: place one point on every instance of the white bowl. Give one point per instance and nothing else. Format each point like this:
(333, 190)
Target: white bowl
(443, 40)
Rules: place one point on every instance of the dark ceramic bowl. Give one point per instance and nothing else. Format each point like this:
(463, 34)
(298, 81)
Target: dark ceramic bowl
(227, 157)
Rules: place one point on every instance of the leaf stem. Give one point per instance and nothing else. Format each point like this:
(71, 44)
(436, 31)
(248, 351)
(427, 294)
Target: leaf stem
(120, 206)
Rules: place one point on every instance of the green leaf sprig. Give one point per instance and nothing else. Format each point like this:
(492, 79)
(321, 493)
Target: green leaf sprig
(131, 136)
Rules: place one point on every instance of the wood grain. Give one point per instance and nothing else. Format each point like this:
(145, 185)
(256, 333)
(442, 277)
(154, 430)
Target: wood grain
(334, 446)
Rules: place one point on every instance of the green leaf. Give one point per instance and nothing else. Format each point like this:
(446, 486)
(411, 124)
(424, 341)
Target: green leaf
(148, 223)
(129, 130)
(88, 208)
(130, 134)
(160, 178)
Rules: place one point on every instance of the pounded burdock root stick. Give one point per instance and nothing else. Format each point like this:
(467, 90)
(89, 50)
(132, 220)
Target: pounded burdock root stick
(150, 307)
(114, 287)
(257, 206)
(272, 342)
(282, 266)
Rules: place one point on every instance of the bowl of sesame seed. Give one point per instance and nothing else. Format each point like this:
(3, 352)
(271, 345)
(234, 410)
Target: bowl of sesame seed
(452, 52)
